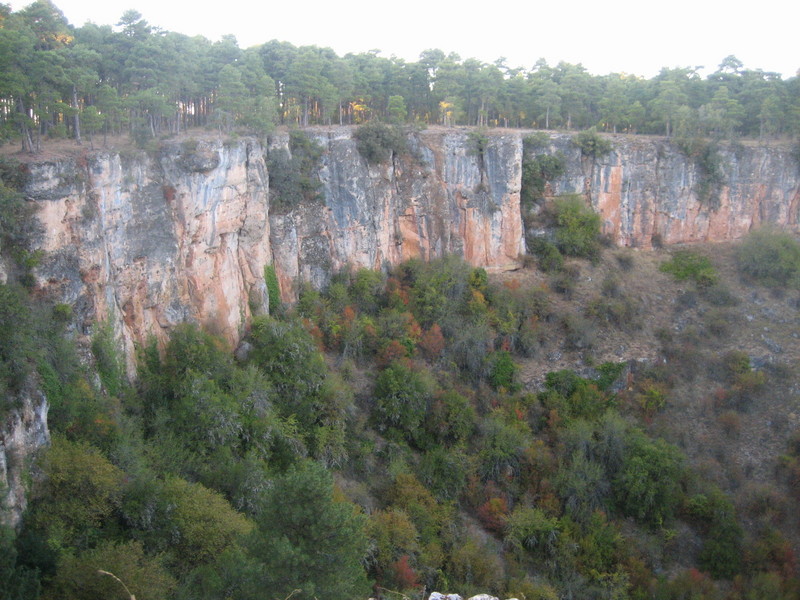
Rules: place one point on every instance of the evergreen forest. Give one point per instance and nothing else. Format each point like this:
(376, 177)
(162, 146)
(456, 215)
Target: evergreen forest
(62, 81)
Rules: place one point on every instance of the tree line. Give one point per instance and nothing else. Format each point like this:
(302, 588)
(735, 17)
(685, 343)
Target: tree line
(65, 81)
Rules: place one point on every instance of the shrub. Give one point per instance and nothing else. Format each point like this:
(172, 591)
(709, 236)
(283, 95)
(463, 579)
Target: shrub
(537, 172)
(493, 514)
(377, 142)
(549, 256)
(502, 447)
(444, 472)
(535, 142)
(393, 536)
(577, 227)
(87, 576)
(771, 258)
(592, 144)
(580, 333)
(502, 371)
(107, 359)
(531, 530)
(584, 487)
(688, 265)
(401, 399)
(648, 484)
(625, 260)
(451, 418)
(721, 555)
(288, 355)
(17, 224)
(292, 175)
(476, 567)
(78, 494)
(619, 312)
(309, 539)
(478, 142)
(718, 294)
(273, 289)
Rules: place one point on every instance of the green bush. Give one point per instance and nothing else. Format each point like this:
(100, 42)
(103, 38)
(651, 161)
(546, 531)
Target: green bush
(289, 357)
(377, 142)
(17, 222)
(107, 358)
(531, 530)
(584, 487)
(502, 371)
(592, 144)
(647, 486)
(401, 399)
(308, 539)
(444, 472)
(688, 265)
(97, 573)
(619, 312)
(577, 227)
(549, 256)
(451, 419)
(721, 555)
(771, 258)
(478, 141)
(537, 172)
(292, 175)
(273, 289)
(77, 495)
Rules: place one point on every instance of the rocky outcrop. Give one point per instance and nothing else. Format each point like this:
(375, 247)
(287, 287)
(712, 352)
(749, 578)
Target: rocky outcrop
(23, 432)
(646, 190)
(148, 242)
(441, 197)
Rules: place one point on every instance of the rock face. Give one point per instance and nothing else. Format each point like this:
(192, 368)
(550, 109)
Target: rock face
(646, 190)
(22, 433)
(441, 197)
(146, 243)
(149, 242)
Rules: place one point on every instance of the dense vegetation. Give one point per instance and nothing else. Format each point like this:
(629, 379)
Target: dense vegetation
(67, 81)
(378, 434)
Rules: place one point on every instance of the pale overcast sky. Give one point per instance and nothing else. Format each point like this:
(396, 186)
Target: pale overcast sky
(630, 36)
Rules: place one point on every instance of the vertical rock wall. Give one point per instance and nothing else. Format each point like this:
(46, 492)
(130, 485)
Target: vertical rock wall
(439, 198)
(647, 189)
(148, 242)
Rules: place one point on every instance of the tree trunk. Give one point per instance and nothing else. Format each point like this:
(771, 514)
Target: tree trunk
(77, 121)
(25, 131)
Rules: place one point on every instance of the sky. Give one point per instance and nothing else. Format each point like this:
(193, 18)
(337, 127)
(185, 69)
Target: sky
(606, 36)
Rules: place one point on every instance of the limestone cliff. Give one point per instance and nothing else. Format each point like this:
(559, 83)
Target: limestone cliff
(646, 189)
(148, 242)
(439, 198)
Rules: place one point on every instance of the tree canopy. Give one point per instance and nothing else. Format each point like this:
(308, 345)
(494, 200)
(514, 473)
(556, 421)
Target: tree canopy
(59, 80)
